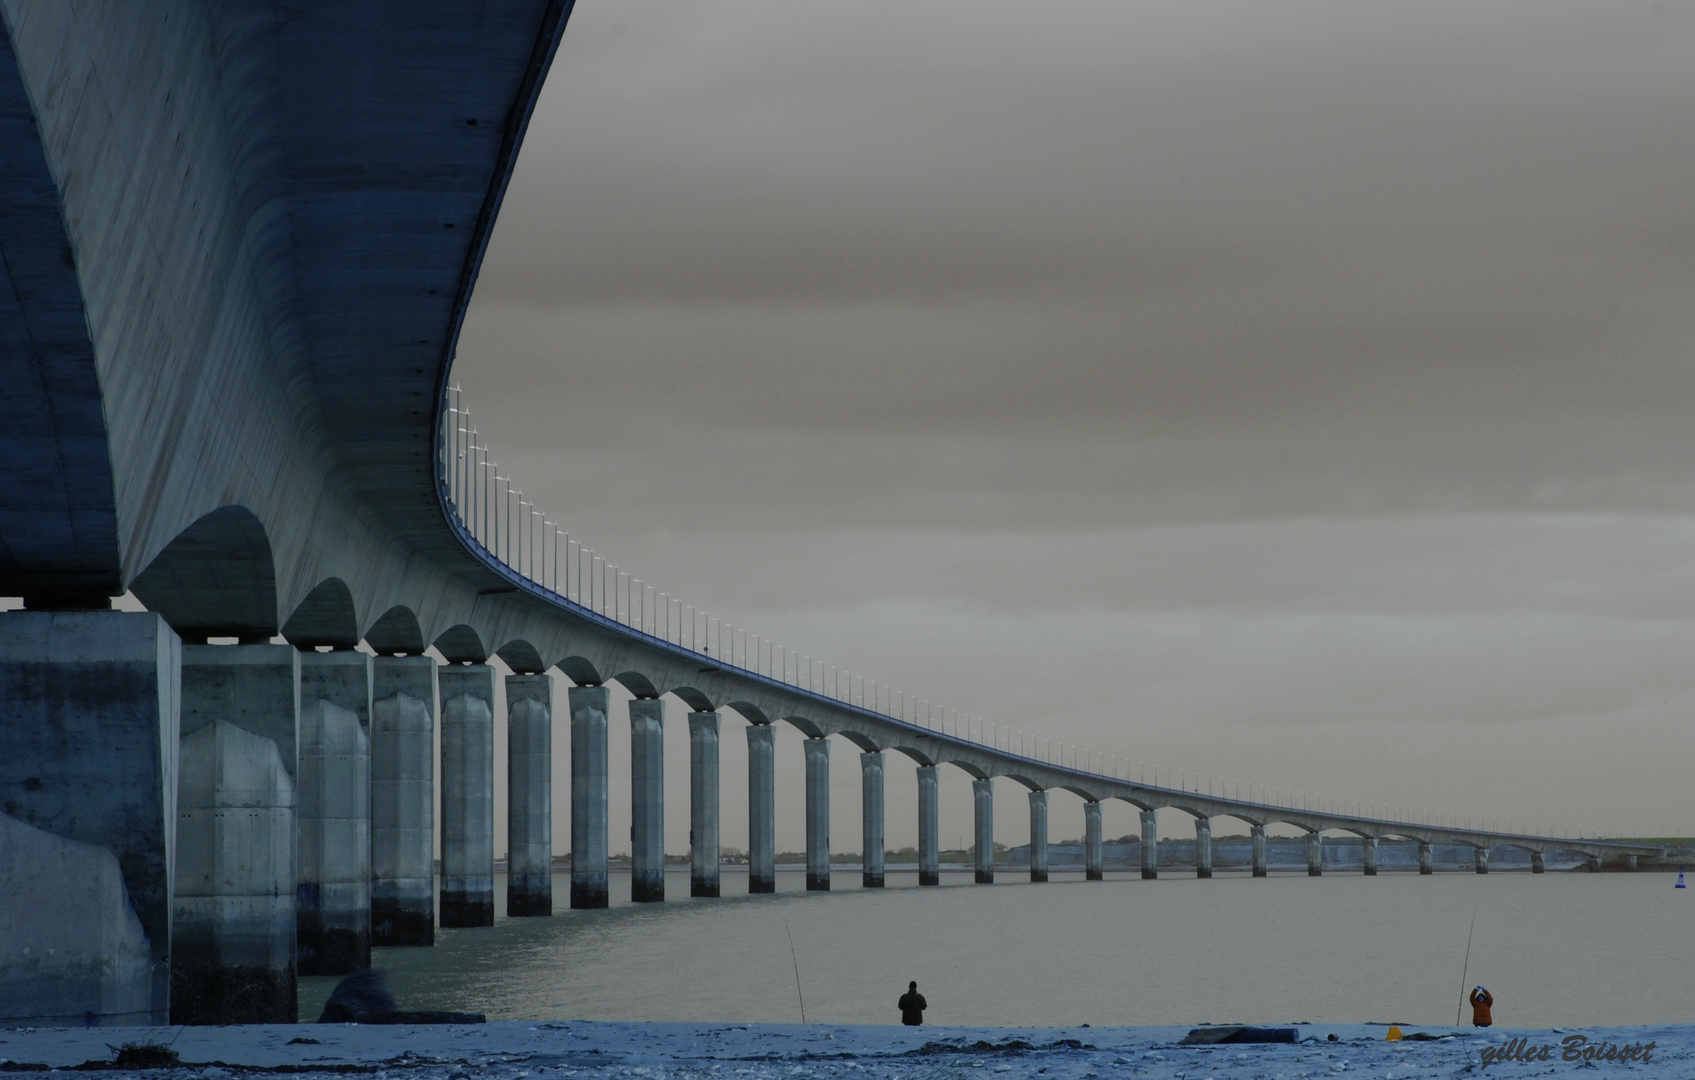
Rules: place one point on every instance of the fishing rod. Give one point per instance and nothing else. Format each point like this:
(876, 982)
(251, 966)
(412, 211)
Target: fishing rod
(796, 962)
(1464, 970)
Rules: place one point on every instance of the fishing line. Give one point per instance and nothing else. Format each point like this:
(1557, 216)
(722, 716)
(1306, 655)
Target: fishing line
(796, 962)
(1463, 970)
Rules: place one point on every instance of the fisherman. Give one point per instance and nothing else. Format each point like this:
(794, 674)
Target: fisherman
(912, 1006)
(1481, 999)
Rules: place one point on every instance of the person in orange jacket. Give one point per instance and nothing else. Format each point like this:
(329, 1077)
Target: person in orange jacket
(1481, 999)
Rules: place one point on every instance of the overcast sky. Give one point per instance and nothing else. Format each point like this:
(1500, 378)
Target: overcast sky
(1294, 393)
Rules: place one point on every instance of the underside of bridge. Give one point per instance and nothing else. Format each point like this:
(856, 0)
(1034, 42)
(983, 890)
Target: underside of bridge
(239, 240)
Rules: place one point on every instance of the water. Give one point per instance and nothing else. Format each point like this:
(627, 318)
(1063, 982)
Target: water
(1555, 949)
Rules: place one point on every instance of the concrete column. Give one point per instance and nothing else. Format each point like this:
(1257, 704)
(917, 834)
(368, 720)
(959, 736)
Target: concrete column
(1537, 864)
(647, 800)
(1203, 847)
(1368, 854)
(1593, 864)
(403, 800)
(929, 828)
(1315, 854)
(88, 785)
(817, 814)
(1630, 863)
(703, 804)
(333, 819)
(1150, 845)
(467, 794)
(529, 795)
(589, 706)
(1426, 864)
(1093, 865)
(1481, 856)
(983, 818)
(233, 933)
(1038, 836)
(761, 809)
(1257, 833)
(871, 845)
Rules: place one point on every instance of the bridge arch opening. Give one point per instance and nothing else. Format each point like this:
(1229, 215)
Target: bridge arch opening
(522, 657)
(1067, 820)
(862, 742)
(1026, 782)
(580, 671)
(1340, 833)
(217, 578)
(1139, 804)
(396, 633)
(805, 726)
(752, 713)
(1511, 858)
(969, 768)
(1232, 844)
(693, 699)
(325, 617)
(461, 645)
(637, 684)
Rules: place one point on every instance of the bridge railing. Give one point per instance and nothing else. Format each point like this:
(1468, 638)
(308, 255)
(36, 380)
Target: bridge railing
(518, 538)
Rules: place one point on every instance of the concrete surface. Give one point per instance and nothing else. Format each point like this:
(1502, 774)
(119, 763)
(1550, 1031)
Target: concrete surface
(89, 754)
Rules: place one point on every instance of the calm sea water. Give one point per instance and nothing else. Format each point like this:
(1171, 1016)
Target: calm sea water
(1555, 949)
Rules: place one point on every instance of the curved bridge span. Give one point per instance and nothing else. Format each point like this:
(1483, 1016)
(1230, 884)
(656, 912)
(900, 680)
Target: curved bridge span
(237, 243)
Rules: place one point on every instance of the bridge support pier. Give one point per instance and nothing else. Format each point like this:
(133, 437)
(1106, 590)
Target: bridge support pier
(761, 809)
(1426, 864)
(589, 706)
(1315, 854)
(1481, 857)
(233, 936)
(1592, 864)
(88, 778)
(467, 794)
(1038, 836)
(333, 818)
(1150, 845)
(1203, 847)
(817, 814)
(647, 800)
(1257, 832)
(1368, 855)
(703, 804)
(1537, 864)
(929, 822)
(403, 815)
(1630, 863)
(1093, 865)
(529, 795)
(983, 818)
(871, 802)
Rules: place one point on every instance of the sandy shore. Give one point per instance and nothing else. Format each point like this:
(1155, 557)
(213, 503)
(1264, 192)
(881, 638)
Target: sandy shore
(641, 1051)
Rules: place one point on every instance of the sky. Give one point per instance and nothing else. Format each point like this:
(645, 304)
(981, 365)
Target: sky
(1292, 394)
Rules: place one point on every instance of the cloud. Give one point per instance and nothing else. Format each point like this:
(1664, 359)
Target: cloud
(1296, 390)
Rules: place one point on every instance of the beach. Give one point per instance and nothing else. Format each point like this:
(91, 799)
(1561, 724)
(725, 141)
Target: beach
(650, 1051)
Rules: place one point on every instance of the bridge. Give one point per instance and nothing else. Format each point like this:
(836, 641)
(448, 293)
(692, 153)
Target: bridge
(238, 243)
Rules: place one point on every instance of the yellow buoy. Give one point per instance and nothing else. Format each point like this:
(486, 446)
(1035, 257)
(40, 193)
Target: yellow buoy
(1394, 1034)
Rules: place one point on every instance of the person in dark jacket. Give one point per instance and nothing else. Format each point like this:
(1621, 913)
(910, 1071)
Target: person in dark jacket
(912, 1006)
(1481, 999)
